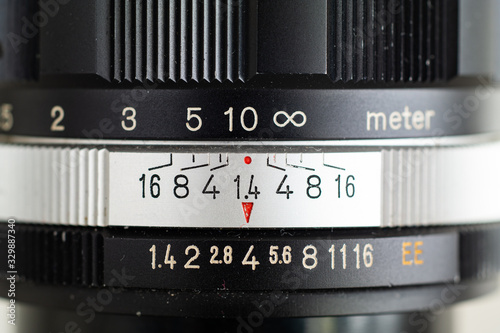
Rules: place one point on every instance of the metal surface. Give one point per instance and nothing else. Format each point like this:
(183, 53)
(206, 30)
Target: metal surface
(298, 263)
(117, 263)
(272, 113)
(254, 187)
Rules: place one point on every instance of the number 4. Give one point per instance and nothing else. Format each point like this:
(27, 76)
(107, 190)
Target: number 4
(214, 191)
(287, 192)
(169, 260)
(254, 261)
(255, 191)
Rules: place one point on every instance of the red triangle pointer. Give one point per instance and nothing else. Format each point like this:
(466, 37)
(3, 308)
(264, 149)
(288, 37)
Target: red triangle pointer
(247, 210)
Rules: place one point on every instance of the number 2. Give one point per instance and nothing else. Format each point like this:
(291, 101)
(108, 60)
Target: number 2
(189, 264)
(57, 113)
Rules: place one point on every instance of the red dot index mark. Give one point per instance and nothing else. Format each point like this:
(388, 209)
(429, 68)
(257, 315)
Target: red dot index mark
(248, 159)
(247, 210)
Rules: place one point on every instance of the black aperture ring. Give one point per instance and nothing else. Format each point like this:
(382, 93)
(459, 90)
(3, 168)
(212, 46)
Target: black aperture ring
(253, 260)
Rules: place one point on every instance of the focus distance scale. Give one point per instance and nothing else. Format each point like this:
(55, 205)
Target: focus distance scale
(323, 186)
(253, 114)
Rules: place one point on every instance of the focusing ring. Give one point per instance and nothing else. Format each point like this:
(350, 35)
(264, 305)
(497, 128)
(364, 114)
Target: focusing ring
(181, 40)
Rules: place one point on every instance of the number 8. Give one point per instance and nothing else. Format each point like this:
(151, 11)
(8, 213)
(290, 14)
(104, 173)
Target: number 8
(311, 256)
(228, 255)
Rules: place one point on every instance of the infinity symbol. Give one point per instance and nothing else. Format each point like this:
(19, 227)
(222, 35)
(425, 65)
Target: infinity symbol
(290, 119)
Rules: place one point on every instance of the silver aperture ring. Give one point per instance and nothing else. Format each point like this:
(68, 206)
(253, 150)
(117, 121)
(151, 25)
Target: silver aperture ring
(254, 187)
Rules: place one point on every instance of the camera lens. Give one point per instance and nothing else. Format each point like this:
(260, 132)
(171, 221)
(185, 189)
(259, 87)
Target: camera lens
(248, 166)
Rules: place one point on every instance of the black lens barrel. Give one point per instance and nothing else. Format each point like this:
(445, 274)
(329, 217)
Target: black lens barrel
(229, 40)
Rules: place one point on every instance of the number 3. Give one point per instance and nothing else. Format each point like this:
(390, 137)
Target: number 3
(130, 118)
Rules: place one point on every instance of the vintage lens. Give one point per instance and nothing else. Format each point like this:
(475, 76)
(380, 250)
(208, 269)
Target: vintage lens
(248, 166)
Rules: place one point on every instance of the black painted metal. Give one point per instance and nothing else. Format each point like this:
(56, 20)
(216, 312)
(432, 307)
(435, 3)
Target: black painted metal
(331, 114)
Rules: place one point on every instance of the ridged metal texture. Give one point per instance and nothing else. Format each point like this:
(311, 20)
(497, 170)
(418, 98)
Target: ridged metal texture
(68, 186)
(485, 247)
(386, 40)
(179, 40)
(371, 40)
(217, 40)
(428, 186)
(60, 257)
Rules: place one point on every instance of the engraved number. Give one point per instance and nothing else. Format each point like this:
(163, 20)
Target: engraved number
(6, 117)
(193, 116)
(193, 258)
(57, 113)
(130, 113)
